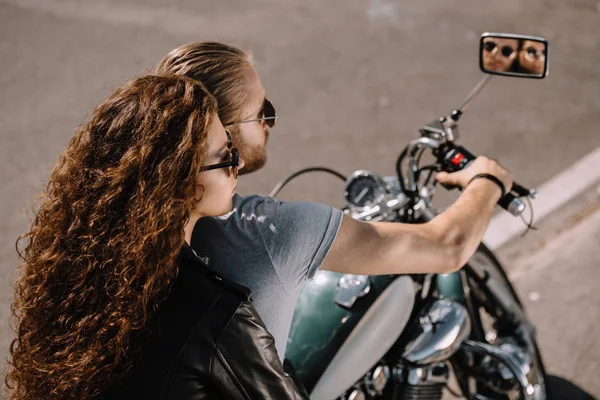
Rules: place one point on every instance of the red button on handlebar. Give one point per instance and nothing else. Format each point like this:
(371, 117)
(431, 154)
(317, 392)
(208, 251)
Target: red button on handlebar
(457, 159)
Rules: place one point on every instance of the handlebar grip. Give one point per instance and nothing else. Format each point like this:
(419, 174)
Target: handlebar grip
(512, 204)
(522, 191)
(453, 158)
(509, 202)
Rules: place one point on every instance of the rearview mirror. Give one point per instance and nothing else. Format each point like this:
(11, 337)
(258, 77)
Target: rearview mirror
(513, 55)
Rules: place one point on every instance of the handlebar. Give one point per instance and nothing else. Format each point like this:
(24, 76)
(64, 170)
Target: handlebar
(512, 204)
(453, 158)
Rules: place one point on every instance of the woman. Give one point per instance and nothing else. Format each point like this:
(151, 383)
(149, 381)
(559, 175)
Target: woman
(103, 252)
(532, 57)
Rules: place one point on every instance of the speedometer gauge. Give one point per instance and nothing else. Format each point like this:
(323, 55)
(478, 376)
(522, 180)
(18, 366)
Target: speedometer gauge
(364, 189)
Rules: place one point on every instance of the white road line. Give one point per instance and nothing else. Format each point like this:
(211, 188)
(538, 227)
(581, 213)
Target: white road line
(551, 195)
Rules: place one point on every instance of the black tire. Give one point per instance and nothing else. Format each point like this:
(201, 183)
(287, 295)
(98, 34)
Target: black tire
(483, 263)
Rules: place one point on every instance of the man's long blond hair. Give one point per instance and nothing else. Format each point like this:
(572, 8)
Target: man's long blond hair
(219, 67)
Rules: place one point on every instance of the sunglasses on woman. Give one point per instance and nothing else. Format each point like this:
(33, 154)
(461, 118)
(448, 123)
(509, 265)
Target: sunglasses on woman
(506, 51)
(268, 115)
(533, 54)
(233, 157)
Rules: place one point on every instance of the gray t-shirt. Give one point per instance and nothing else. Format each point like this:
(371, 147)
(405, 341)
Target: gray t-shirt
(271, 247)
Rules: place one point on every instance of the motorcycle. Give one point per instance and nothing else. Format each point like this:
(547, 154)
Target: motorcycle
(356, 337)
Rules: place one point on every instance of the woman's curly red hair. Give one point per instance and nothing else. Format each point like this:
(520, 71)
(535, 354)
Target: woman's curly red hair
(102, 250)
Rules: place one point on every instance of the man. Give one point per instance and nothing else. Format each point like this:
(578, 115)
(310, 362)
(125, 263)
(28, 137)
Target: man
(499, 54)
(274, 247)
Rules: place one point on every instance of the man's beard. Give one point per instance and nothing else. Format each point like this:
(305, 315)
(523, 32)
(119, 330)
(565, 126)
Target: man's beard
(254, 157)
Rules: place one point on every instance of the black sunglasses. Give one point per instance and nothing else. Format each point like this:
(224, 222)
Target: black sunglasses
(269, 115)
(492, 47)
(233, 163)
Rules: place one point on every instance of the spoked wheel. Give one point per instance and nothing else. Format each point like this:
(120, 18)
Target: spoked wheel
(498, 323)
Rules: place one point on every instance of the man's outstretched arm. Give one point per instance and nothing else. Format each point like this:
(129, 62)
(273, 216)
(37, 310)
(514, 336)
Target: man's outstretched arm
(441, 245)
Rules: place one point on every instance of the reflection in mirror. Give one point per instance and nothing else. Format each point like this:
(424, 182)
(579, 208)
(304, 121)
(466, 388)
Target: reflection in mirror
(532, 57)
(514, 55)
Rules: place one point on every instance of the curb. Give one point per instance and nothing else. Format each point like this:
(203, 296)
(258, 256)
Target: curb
(551, 195)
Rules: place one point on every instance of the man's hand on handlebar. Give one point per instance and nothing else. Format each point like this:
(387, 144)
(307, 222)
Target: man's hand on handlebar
(481, 165)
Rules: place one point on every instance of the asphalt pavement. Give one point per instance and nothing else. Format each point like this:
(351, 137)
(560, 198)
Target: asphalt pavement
(352, 80)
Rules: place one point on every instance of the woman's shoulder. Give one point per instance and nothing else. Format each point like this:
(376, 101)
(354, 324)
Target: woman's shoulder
(195, 274)
(183, 335)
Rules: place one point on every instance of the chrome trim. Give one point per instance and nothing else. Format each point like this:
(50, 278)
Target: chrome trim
(511, 361)
(376, 381)
(350, 288)
(514, 36)
(428, 376)
(379, 186)
(433, 132)
(427, 285)
(381, 211)
(417, 376)
(412, 163)
(478, 88)
(516, 206)
(392, 184)
(450, 129)
(386, 209)
(440, 330)
(357, 394)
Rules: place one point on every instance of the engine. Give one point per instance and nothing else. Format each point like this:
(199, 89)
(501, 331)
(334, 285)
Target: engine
(400, 382)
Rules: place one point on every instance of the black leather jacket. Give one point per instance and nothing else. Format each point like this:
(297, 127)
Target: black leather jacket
(208, 342)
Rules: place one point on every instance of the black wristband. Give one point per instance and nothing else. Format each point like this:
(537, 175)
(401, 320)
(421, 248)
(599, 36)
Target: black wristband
(491, 178)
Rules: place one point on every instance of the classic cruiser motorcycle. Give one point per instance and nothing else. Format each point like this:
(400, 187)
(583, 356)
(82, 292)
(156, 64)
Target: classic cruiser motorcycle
(358, 337)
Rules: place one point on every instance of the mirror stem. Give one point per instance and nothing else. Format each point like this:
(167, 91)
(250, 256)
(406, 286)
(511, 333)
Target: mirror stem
(457, 113)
